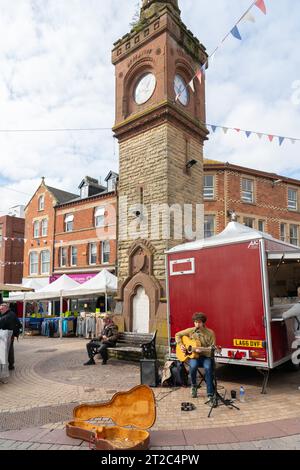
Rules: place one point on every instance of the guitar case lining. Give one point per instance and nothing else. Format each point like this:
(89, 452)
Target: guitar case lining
(133, 409)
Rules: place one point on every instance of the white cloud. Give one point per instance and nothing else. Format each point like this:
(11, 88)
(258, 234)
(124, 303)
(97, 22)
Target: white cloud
(56, 72)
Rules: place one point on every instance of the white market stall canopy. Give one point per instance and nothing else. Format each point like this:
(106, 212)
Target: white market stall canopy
(51, 291)
(103, 282)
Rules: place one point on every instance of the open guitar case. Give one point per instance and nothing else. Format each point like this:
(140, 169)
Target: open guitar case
(133, 412)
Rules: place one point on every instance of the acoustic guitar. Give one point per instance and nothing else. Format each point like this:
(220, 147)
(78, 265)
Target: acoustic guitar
(193, 349)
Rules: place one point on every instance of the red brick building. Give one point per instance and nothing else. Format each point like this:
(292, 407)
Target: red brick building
(85, 232)
(11, 249)
(71, 234)
(265, 201)
(40, 232)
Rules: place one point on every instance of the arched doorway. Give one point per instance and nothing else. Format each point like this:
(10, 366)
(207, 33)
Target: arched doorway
(141, 311)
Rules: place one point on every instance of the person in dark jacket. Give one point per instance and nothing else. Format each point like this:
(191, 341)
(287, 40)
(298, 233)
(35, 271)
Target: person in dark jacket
(10, 321)
(108, 337)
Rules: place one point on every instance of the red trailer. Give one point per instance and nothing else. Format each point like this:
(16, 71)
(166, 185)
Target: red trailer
(243, 280)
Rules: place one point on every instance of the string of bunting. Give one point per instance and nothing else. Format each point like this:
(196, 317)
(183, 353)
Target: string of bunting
(248, 134)
(13, 239)
(9, 263)
(235, 32)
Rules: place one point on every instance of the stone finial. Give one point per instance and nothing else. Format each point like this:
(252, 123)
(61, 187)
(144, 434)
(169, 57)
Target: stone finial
(149, 7)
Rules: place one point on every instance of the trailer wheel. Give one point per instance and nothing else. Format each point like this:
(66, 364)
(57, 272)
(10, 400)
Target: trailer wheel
(292, 366)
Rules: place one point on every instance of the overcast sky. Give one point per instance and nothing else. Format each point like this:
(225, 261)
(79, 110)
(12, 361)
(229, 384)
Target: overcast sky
(55, 72)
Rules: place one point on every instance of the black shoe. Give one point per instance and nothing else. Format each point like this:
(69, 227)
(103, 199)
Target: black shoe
(104, 362)
(91, 362)
(11, 367)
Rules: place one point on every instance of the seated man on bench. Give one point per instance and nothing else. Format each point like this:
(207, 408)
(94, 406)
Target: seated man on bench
(108, 338)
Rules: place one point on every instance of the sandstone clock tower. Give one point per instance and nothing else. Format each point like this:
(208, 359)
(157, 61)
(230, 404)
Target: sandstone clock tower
(158, 137)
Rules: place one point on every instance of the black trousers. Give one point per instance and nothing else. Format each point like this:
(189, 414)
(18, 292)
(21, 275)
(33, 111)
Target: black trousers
(11, 353)
(97, 347)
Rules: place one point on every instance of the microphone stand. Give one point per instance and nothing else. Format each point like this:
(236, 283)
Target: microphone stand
(217, 399)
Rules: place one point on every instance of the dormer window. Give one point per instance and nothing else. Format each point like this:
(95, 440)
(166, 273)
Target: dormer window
(84, 191)
(41, 203)
(111, 184)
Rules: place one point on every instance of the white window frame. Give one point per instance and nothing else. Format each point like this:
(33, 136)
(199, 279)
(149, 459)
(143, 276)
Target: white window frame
(182, 261)
(45, 263)
(99, 217)
(105, 243)
(292, 203)
(111, 184)
(62, 250)
(249, 218)
(209, 191)
(69, 223)
(72, 255)
(35, 263)
(248, 190)
(282, 231)
(213, 217)
(44, 227)
(92, 245)
(36, 229)
(263, 222)
(84, 191)
(293, 238)
(41, 203)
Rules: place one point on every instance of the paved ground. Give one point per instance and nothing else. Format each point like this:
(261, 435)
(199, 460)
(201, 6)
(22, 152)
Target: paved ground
(50, 380)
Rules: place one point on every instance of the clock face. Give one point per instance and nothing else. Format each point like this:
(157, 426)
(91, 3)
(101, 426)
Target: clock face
(181, 90)
(145, 88)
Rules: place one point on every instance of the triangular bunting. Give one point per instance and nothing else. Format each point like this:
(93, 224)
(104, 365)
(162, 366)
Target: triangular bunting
(259, 135)
(199, 75)
(261, 5)
(293, 141)
(225, 130)
(248, 133)
(191, 84)
(271, 137)
(236, 129)
(249, 17)
(281, 140)
(235, 33)
(213, 128)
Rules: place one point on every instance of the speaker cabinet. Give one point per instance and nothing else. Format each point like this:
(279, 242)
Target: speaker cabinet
(149, 372)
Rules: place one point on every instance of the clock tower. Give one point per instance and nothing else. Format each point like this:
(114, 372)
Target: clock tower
(160, 126)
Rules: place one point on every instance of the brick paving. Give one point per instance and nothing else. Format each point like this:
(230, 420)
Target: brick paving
(50, 379)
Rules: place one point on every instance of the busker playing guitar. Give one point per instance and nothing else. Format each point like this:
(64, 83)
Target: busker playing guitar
(195, 344)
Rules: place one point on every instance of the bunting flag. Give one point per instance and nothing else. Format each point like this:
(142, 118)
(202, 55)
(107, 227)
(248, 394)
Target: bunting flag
(235, 33)
(261, 5)
(199, 75)
(249, 17)
(248, 133)
(191, 85)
